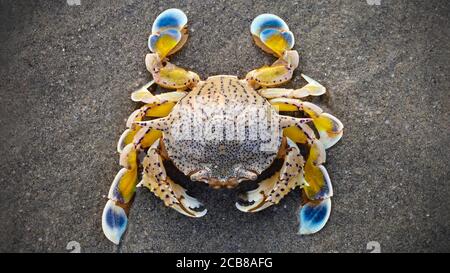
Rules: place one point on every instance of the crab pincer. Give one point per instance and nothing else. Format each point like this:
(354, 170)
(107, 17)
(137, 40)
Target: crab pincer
(156, 180)
(169, 34)
(273, 36)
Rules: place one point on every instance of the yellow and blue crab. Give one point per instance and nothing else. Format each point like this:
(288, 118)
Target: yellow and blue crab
(225, 130)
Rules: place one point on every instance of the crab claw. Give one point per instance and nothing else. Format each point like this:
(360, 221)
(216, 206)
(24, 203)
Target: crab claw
(155, 178)
(169, 19)
(114, 221)
(163, 42)
(168, 32)
(313, 216)
(271, 190)
(170, 76)
(187, 205)
(174, 196)
(272, 34)
(257, 204)
(256, 200)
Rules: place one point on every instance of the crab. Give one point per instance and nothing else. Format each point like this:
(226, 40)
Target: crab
(224, 130)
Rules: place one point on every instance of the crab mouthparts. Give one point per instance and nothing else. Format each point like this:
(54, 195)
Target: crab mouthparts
(223, 183)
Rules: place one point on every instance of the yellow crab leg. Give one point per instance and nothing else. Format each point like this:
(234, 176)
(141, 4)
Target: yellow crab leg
(330, 129)
(124, 185)
(314, 178)
(313, 88)
(321, 121)
(114, 217)
(133, 139)
(133, 127)
(122, 189)
(157, 106)
(300, 133)
(318, 185)
(145, 96)
(155, 110)
(318, 190)
(296, 134)
(286, 121)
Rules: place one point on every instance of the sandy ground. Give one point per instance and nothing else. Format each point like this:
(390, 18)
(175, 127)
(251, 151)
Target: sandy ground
(67, 73)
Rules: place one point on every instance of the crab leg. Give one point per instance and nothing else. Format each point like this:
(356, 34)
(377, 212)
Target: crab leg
(273, 36)
(286, 121)
(133, 140)
(169, 34)
(313, 88)
(162, 105)
(143, 95)
(114, 218)
(317, 190)
(314, 180)
(300, 133)
(270, 191)
(174, 196)
(330, 129)
(310, 175)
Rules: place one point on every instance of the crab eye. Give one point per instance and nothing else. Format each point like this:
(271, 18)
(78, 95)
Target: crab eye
(169, 19)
